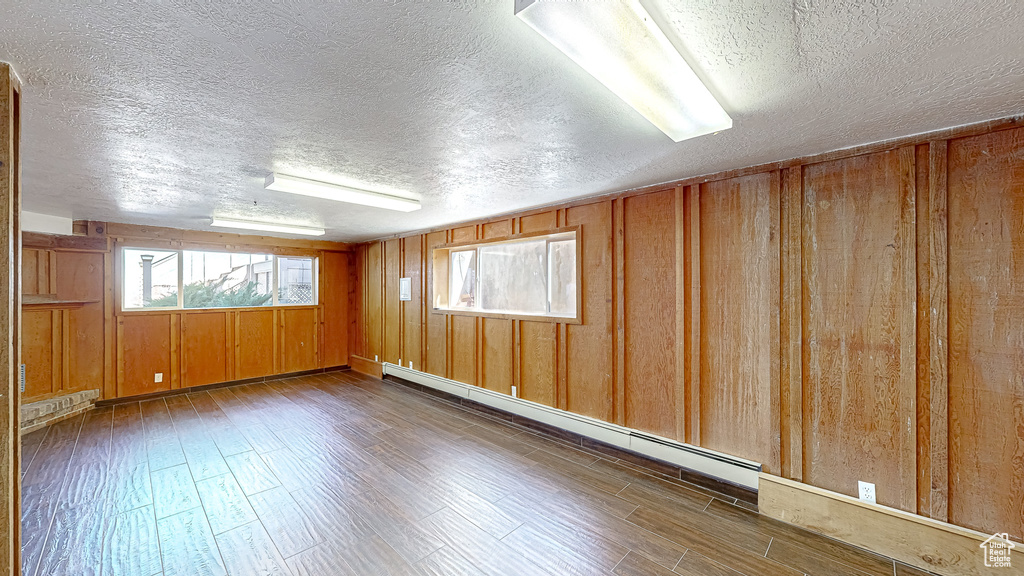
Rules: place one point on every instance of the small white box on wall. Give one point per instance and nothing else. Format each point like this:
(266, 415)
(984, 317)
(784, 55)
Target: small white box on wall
(405, 288)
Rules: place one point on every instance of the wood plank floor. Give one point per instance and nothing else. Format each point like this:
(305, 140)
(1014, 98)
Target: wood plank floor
(345, 474)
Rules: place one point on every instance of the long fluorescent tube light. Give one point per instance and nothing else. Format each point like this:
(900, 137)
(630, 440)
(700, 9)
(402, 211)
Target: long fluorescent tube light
(317, 189)
(267, 227)
(618, 43)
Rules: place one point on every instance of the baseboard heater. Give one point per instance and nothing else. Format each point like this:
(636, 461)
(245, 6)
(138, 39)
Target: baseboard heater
(715, 464)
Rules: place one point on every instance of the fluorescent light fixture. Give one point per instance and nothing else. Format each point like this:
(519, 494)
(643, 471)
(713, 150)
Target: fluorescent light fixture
(267, 227)
(317, 189)
(618, 43)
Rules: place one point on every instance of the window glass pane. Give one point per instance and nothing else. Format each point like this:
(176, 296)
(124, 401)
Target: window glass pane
(150, 278)
(513, 277)
(222, 279)
(295, 281)
(462, 290)
(562, 264)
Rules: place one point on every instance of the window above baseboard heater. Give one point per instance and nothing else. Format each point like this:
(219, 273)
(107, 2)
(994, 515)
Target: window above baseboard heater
(715, 464)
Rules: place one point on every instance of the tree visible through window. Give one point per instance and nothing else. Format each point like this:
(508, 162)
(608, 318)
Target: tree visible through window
(151, 279)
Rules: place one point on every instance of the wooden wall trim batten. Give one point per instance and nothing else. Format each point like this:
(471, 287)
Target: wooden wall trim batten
(775, 285)
(690, 263)
(619, 313)
(157, 235)
(681, 355)
(938, 330)
(791, 324)
(908, 315)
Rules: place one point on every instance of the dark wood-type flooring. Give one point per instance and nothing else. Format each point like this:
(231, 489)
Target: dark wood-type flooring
(344, 474)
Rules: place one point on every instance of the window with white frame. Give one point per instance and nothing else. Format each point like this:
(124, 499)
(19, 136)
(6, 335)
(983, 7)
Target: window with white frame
(195, 279)
(527, 276)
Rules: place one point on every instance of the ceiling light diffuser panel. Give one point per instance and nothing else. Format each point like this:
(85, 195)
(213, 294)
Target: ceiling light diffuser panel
(618, 43)
(267, 227)
(338, 193)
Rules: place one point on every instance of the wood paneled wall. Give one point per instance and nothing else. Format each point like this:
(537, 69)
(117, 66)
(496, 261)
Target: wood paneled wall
(84, 340)
(853, 316)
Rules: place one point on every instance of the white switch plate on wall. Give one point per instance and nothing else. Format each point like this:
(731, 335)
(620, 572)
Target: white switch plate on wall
(866, 492)
(158, 377)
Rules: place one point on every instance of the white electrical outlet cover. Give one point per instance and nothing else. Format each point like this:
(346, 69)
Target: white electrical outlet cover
(158, 377)
(866, 492)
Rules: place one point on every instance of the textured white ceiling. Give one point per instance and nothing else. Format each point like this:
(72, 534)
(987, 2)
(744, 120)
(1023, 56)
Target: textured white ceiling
(171, 112)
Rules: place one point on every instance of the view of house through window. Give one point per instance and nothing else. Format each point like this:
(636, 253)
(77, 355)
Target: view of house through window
(202, 279)
(150, 278)
(533, 276)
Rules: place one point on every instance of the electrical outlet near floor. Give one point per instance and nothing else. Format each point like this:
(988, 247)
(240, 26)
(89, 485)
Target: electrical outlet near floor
(158, 377)
(515, 393)
(866, 491)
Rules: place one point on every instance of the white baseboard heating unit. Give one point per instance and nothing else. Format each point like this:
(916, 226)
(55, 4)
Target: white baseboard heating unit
(715, 464)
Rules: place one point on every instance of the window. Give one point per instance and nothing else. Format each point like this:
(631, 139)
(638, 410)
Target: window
(529, 276)
(194, 279)
(295, 280)
(223, 279)
(150, 279)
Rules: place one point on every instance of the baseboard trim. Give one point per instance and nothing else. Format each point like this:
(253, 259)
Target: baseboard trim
(729, 475)
(909, 538)
(366, 366)
(215, 385)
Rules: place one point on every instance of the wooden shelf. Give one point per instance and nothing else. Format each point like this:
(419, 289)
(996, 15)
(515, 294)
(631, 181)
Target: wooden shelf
(50, 302)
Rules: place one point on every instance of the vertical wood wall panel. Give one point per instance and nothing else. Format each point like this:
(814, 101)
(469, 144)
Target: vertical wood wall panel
(335, 300)
(436, 354)
(146, 349)
(496, 334)
(938, 331)
(859, 326)
(497, 355)
(986, 327)
(537, 362)
(38, 351)
(791, 324)
(374, 301)
(204, 345)
(254, 342)
(537, 340)
(924, 392)
(412, 314)
(650, 331)
(690, 260)
(392, 305)
(588, 376)
(463, 352)
(81, 277)
(299, 339)
(739, 322)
